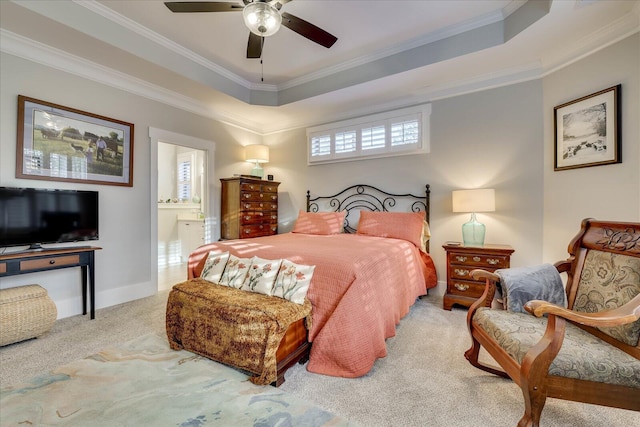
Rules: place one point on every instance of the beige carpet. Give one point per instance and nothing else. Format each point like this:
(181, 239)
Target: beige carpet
(423, 381)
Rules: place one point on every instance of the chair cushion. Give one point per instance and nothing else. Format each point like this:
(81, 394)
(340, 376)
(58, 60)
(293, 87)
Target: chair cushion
(608, 281)
(582, 355)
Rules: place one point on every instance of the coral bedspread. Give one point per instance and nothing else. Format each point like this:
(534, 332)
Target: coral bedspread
(361, 288)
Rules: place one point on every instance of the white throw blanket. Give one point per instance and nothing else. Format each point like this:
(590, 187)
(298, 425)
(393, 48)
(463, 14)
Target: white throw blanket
(523, 284)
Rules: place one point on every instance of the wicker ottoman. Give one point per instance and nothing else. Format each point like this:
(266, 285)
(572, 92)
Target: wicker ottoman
(25, 312)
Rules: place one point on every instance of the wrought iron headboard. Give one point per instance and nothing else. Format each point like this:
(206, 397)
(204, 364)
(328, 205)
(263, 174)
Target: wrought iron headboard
(365, 197)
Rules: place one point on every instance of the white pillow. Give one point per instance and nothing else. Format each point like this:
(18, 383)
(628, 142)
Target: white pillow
(235, 272)
(262, 275)
(293, 281)
(214, 266)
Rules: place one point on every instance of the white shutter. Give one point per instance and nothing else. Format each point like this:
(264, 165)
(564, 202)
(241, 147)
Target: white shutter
(346, 142)
(405, 133)
(320, 146)
(184, 180)
(373, 138)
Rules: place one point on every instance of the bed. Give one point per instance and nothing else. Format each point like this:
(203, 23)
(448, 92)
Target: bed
(365, 279)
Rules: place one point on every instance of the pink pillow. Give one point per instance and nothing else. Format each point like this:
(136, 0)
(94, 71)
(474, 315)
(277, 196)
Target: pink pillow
(319, 223)
(397, 225)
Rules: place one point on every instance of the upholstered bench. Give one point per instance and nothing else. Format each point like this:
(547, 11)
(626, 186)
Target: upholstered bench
(242, 329)
(587, 352)
(25, 312)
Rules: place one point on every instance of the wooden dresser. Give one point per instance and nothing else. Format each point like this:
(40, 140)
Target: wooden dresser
(461, 260)
(249, 208)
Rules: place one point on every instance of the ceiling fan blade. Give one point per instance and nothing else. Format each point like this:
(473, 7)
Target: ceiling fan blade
(282, 2)
(308, 30)
(203, 6)
(254, 47)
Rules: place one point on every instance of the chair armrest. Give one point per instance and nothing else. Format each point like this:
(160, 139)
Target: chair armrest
(491, 282)
(484, 275)
(563, 266)
(630, 312)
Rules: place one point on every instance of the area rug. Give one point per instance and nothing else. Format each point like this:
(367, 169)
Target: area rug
(145, 383)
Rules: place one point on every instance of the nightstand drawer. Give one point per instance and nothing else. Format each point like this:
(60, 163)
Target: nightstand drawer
(461, 272)
(466, 288)
(461, 261)
(479, 260)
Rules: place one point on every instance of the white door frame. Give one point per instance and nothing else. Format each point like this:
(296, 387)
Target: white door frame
(209, 147)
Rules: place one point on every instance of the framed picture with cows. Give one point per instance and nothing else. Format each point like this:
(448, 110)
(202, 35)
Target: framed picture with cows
(57, 143)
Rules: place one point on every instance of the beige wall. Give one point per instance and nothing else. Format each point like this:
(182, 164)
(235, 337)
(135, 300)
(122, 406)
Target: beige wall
(489, 139)
(124, 267)
(610, 192)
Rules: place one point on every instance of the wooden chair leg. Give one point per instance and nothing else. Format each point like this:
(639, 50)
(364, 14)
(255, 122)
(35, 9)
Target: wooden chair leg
(534, 400)
(472, 356)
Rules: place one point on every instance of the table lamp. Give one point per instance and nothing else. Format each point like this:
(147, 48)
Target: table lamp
(257, 154)
(478, 200)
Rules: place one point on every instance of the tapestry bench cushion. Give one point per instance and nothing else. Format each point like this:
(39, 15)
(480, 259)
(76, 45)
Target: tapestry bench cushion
(231, 326)
(582, 355)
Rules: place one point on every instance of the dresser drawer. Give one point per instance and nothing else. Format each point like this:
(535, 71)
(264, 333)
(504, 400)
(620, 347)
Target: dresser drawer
(269, 188)
(37, 264)
(253, 217)
(259, 206)
(258, 230)
(258, 197)
(249, 186)
(480, 260)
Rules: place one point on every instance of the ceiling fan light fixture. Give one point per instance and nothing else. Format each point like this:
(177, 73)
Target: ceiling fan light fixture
(261, 18)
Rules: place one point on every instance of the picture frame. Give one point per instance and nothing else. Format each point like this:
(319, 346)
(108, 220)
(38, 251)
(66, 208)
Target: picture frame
(587, 131)
(57, 143)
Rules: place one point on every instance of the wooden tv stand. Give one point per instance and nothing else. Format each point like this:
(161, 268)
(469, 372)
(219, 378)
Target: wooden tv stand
(52, 259)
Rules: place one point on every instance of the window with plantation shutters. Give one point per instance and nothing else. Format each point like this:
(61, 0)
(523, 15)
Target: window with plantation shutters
(321, 146)
(184, 177)
(405, 132)
(345, 142)
(394, 133)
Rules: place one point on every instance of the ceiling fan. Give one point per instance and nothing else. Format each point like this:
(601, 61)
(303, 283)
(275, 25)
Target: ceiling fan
(262, 17)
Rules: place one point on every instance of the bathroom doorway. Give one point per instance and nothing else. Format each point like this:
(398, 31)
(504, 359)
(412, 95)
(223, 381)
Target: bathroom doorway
(182, 202)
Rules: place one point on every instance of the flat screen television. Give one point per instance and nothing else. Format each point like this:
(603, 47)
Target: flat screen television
(35, 216)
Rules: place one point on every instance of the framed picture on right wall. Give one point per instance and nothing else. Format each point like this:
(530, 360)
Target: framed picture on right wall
(587, 131)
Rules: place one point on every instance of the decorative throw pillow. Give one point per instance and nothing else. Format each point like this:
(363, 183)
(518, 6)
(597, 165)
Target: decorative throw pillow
(214, 266)
(397, 225)
(293, 281)
(426, 235)
(262, 275)
(322, 223)
(235, 271)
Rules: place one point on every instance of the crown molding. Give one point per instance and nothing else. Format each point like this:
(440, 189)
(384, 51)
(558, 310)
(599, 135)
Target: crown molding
(31, 50)
(145, 32)
(37, 52)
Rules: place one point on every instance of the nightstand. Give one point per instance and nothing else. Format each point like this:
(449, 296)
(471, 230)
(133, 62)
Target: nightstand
(461, 260)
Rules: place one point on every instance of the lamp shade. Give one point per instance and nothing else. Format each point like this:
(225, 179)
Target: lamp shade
(261, 18)
(478, 200)
(256, 153)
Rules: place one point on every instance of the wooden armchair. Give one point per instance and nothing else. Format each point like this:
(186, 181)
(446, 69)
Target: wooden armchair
(588, 352)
